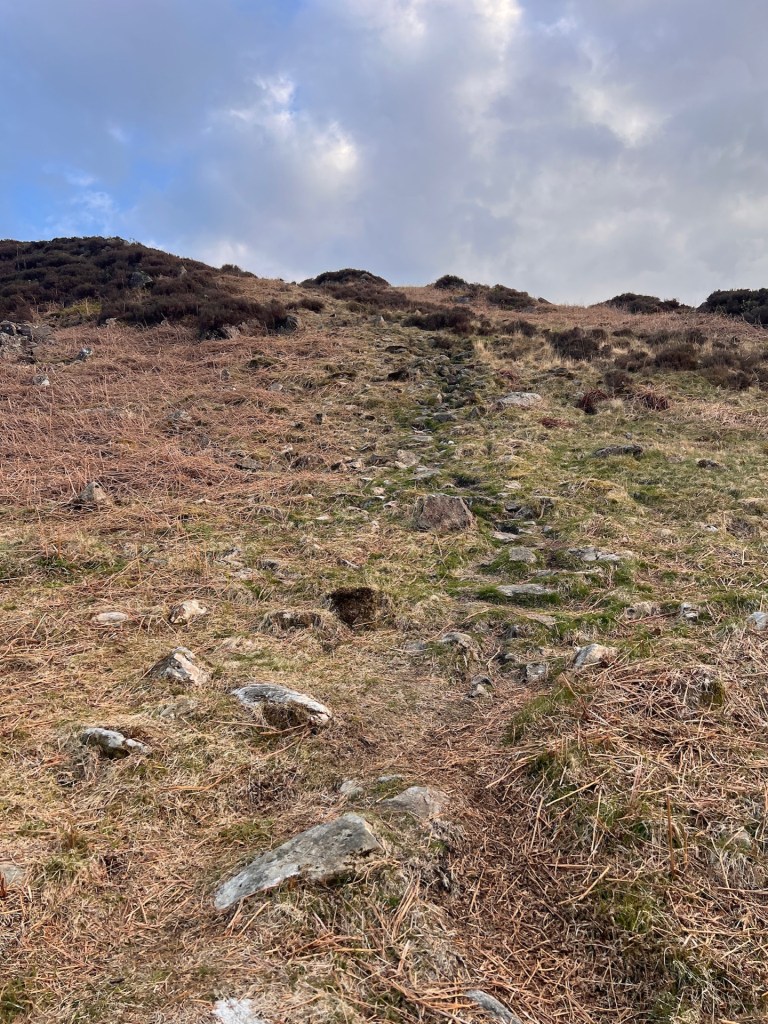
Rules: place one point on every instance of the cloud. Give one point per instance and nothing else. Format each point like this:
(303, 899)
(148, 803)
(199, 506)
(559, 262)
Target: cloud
(572, 149)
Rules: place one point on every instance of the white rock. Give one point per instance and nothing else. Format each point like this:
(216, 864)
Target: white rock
(594, 555)
(520, 399)
(111, 742)
(417, 801)
(525, 590)
(758, 621)
(536, 672)
(593, 655)
(12, 875)
(237, 1011)
(338, 848)
(110, 618)
(186, 612)
(180, 666)
(525, 555)
(283, 707)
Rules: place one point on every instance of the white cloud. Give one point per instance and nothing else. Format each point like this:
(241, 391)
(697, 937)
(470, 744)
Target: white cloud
(573, 149)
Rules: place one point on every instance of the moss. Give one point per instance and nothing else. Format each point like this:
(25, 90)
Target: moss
(14, 1000)
(539, 708)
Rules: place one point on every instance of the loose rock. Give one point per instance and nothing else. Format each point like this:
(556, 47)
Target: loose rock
(418, 801)
(180, 666)
(520, 399)
(442, 513)
(593, 655)
(480, 686)
(689, 612)
(12, 876)
(642, 610)
(493, 1007)
(186, 612)
(536, 672)
(112, 743)
(525, 590)
(338, 848)
(283, 708)
(92, 496)
(593, 555)
(758, 621)
(110, 618)
(525, 555)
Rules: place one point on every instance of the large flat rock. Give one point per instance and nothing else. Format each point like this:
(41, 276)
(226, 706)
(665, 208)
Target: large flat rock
(337, 848)
(282, 707)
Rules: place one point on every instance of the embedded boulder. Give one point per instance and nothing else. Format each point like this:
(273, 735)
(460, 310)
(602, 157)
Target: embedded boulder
(186, 612)
(417, 801)
(593, 656)
(180, 666)
(112, 743)
(283, 708)
(338, 848)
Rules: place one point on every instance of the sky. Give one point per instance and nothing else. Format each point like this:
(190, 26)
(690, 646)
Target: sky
(571, 148)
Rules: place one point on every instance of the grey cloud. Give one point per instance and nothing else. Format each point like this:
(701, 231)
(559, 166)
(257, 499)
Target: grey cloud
(572, 149)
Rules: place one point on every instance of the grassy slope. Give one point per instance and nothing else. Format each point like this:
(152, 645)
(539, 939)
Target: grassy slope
(607, 850)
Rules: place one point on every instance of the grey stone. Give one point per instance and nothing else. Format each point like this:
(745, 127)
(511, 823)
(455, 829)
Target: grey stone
(758, 621)
(111, 742)
(456, 639)
(493, 1007)
(524, 555)
(41, 380)
(180, 666)
(536, 672)
(338, 848)
(442, 513)
(525, 590)
(12, 875)
(351, 788)
(186, 612)
(418, 801)
(92, 496)
(590, 554)
(282, 707)
(689, 612)
(110, 618)
(480, 686)
(619, 449)
(249, 464)
(520, 399)
(592, 655)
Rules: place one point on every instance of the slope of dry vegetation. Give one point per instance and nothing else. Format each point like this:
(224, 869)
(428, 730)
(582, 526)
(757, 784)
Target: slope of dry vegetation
(603, 853)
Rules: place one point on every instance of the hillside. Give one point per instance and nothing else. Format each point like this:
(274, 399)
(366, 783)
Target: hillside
(566, 658)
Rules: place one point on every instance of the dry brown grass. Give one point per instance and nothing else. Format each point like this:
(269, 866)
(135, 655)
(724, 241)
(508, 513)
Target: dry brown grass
(605, 852)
